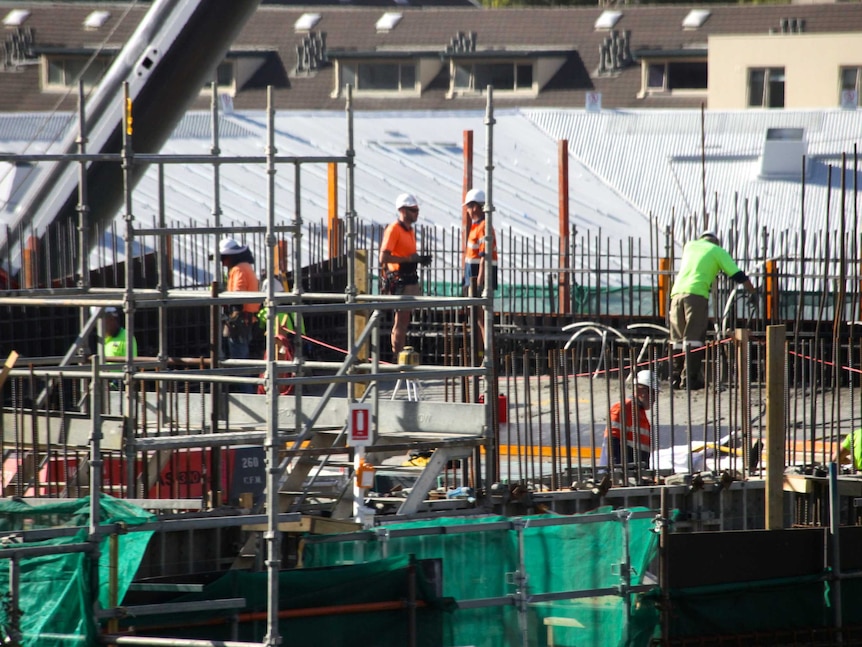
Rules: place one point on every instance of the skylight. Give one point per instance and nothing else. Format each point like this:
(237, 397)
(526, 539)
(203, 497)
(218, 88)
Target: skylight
(306, 22)
(16, 17)
(388, 21)
(96, 19)
(608, 19)
(695, 18)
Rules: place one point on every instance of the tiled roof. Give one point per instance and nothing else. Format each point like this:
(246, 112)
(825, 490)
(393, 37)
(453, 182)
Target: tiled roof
(652, 27)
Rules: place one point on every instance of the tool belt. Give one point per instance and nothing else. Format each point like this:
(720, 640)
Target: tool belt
(394, 282)
(237, 325)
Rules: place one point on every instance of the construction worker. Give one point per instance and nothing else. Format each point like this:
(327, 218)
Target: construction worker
(852, 443)
(115, 336)
(474, 253)
(702, 260)
(399, 262)
(240, 317)
(115, 340)
(284, 335)
(636, 422)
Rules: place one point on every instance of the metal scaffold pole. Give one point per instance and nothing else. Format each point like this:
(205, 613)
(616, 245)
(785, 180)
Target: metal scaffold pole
(273, 536)
(215, 313)
(350, 217)
(129, 420)
(83, 206)
(488, 296)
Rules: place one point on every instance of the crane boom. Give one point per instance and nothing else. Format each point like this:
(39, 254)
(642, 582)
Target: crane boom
(173, 52)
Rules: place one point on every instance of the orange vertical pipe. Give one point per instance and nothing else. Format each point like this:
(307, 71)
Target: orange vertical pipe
(467, 185)
(563, 294)
(281, 264)
(169, 260)
(771, 270)
(335, 233)
(30, 262)
(663, 286)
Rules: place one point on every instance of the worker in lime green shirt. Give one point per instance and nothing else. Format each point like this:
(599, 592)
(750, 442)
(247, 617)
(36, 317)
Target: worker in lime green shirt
(115, 341)
(284, 336)
(115, 336)
(285, 319)
(702, 260)
(852, 444)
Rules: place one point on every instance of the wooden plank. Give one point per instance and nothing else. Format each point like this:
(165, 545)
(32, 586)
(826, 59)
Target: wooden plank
(312, 524)
(7, 367)
(802, 484)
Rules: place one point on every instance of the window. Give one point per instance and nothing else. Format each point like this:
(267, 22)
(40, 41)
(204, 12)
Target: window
(673, 76)
(766, 87)
(607, 20)
(696, 18)
(224, 78)
(851, 80)
(62, 72)
(508, 76)
(379, 77)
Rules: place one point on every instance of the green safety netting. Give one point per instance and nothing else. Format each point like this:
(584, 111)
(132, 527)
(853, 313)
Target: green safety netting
(801, 603)
(333, 600)
(480, 557)
(55, 590)
(362, 604)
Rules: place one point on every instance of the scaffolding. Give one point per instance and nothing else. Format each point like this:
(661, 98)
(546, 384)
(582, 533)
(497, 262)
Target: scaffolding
(134, 427)
(86, 428)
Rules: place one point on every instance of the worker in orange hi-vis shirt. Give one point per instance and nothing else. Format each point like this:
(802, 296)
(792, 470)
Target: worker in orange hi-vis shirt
(636, 447)
(474, 253)
(241, 277)
(399, 262)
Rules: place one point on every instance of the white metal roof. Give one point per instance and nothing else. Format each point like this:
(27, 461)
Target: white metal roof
(654, 159)
(623, 166)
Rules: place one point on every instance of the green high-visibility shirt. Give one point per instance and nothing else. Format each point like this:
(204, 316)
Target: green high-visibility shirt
(701, 262)
(116, 346)
(857, 447)
(285, 320)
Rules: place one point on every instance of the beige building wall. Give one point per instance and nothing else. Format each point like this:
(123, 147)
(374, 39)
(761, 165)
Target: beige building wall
(811, 65)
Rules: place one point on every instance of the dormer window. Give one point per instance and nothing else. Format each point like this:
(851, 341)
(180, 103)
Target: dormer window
(682, 71)
(676, 76)
(392, 76)
(225, 78)
(61, 71)
(474, 76)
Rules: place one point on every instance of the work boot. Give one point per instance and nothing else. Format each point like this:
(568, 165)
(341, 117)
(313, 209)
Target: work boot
(678, 366)
(692, 385)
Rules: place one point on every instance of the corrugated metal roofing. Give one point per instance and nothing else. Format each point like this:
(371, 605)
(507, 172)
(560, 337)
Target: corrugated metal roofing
(623, 166)
(653, 158)
(395, 152)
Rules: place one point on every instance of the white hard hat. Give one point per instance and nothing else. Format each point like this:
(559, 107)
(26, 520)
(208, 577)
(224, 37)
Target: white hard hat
(108, 310)
(406, 200)
(646, 378)
(474, 195)
(709, 233)
(229, 247)
(276, 287)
